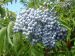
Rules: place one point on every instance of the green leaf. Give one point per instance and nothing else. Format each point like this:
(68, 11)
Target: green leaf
(2, 12)
(2, 37)
(10, 32)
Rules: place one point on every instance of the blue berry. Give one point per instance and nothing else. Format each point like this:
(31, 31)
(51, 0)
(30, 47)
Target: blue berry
(40, 26)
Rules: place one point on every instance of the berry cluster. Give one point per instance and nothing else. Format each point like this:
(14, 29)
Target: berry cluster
(40, 26)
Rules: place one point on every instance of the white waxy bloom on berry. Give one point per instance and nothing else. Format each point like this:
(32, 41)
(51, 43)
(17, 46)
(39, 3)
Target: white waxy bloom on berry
(40, 26)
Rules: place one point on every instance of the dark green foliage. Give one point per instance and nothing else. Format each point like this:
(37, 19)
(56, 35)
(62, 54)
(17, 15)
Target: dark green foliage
(2, 12)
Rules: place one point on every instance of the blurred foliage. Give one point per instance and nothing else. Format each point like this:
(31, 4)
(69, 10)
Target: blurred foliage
(2, 12)
(4, 1)
(67, 18)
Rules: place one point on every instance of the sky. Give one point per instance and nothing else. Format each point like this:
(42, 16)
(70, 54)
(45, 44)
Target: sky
(15, 7)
